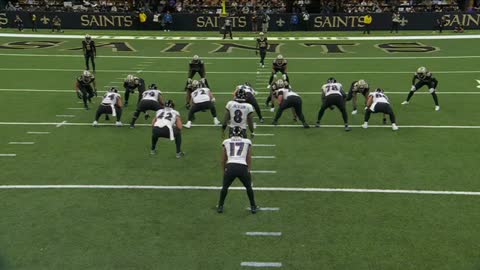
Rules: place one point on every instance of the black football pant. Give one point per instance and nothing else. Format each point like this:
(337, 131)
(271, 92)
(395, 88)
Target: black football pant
(253, 101)
(381, 108)
(353, 95)
(131, 91)
(275, 72)
(196, 107)
(34, 26)
(87, 94)
(333, 100)
(107, 109)
(144, 106)
(228, 29)
(89, 57)
(233, 171)
(366, 29)
(394, 27)
(418, 85)
(291, 102)
(263, 54)
(164, 132)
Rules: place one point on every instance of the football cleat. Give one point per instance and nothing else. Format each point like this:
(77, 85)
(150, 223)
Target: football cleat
(384, 121)
(153, 152)
(179, 154)
(254, 209)
(405, 102)
(268, 87)
(188, 124)
(118, 124)
(347, 128)
(317, 125)
(216, 121)
(220, 209)
(272, 109)
(437, 108)
(305, 125)
(262, 120)
(132, 126)
(354, 112)
(95, 124)
(275, 123)
(365, 125)
(394, 127)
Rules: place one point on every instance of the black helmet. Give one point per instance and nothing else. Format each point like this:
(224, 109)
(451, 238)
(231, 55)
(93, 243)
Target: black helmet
(331, 80)
(380, 90)
(247, 84)
(240, 94)
(237, 131)
(170, 104)
(152, 86)
(113, 89)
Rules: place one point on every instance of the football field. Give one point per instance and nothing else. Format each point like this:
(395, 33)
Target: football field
(77, 197)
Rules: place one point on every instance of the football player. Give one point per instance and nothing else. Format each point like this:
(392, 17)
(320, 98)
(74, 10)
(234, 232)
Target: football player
(250, 98)
(151, 100)
(237, 163)
(167, 124)
(111, 104)
(188, 93)
(424, 77)
(279, 65)
(197, 66)
(130, 83)
(333, 95)
(86, 88)
(360, 86)
(287, 98)
(89, 51)
(262, 46)
(202, 99)
(378, 102)
(239, 114)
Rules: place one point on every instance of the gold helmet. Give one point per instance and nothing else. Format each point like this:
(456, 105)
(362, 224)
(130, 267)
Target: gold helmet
(422, 71)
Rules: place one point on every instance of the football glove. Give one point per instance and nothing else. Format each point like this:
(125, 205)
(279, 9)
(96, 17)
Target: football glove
(413, 88)
(213, 100)
(79, 95)
(95, 92)
(284, 76)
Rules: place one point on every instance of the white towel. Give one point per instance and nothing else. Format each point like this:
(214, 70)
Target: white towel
(114, 112)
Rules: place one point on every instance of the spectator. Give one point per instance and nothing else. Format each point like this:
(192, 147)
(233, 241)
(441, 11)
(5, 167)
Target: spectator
(168, 21)
(114, 8)
(395, 22)
(265, 23)
(293, 22)
(254, 22)
(305, 20)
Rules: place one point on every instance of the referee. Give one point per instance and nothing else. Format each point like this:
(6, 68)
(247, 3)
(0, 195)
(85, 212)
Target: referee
(227, 28)
(89, 51)
(262, 45)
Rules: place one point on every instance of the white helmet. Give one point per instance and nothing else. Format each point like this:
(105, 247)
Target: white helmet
(422, 70)
(195, 84)
(362, 84)
(130, 78)
(87, 73)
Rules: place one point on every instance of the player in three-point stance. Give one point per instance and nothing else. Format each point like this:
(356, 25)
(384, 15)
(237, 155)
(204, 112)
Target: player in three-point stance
(236, 163)
(424, 77)
(333, 95)
(111, 104)
(378, 102)
(357, 87)
(239, 114)
(167, 124)
(130, 83)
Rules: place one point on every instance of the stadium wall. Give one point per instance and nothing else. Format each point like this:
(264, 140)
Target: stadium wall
(278, 22)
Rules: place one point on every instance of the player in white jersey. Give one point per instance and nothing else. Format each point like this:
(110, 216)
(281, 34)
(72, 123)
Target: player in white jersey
(239, 114)
(152, 100)
(287, 98)
(250, 98)
(111, 104)
(237, 162)
(202, 99)
(378, 103)
(167, 124)
(333, 95)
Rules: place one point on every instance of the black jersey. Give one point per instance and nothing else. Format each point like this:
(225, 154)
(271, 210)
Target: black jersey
(136, 83)
(85, 81)
(197, 65)
(89, 47)
(427, 78)
(280, 64)
(262, 43)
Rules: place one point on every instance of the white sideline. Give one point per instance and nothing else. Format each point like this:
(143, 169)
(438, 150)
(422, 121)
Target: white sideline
(251, 58)
(264, 145)
(21, 143)
(212, 125)
(38, 132)
(219, 38)
(261, 94)
(8, 155)
(263, 157)
(264, 134)
(283, 189)
(263, 233)
(65, 115)
(264, 172)
(61, 124)
(261, 264)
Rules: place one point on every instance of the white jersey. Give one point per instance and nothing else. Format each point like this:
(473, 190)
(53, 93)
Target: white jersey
(378, 97)
(166, 117)
(237, 149)
(332, 89)
(248, 89)
(238, 113)
(201, 95)
(151, 94)
(110, 98)
(285, 92)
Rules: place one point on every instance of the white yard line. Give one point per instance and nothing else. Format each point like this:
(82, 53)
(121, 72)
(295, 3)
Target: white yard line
(264, 145)
(22, 143)
(61, 124)
(65, 115)
(261, 264)
(8, 155)
(38, 132)
(263, 233)
(264, 134)
(263, 172)
(75, 108)
(263, 157)
(282, 189)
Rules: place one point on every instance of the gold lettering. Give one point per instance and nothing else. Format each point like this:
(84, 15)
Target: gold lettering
(456, 20)
(85, 21)
(109, 21)
(128, 21)
(328, 22)
(243, 21)
(471, 19)
(3, 19)
(209, 22)
(93, 21)
(200, 21)
(318, 22)
(342, 22)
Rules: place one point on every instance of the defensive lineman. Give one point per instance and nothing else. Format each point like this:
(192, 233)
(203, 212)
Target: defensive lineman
(287, 98)
(152, 100)
(239, 114)
(202, 99)
(111, 104)
(378, 103)
(167, 124)
(262, 46)
(86, 88)
(358, 87)
(132, 82)
(333, 95)
(250, 98)
(424, 77)
(237, 162)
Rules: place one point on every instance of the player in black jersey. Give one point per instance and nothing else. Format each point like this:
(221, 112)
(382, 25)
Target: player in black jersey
(86, 88)
(262, 46)
(132, 82)
(279, 65)
(89, 51)
(19, 23)
(424, 77)
(358, 87)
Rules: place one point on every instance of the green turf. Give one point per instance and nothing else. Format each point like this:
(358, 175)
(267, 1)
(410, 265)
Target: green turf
(122, 229)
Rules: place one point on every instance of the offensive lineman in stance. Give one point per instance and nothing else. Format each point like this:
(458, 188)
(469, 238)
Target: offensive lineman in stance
(424, 77)
(111, 104)
(239, 114)
(378, 103)
(152, 100)
(288, 99)
(202, 99)
(132, 82)
(236, 163)
(86, 88)
(333, 95)
(167, 124)
(250, 98)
